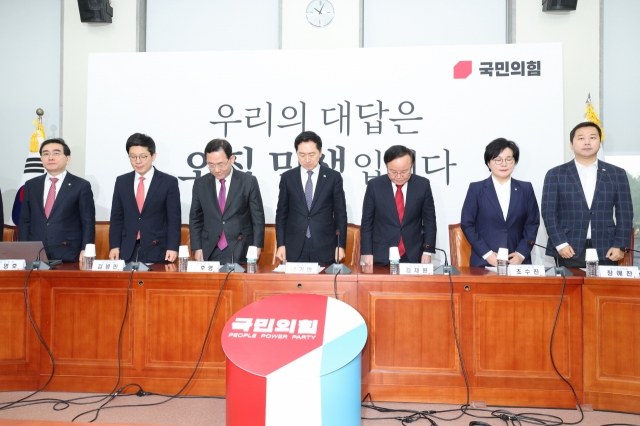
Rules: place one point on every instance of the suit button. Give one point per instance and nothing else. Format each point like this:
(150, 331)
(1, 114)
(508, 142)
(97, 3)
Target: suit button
(591, 213)
(47, 223)
(223, 222)
(139, 218)
(308, 217)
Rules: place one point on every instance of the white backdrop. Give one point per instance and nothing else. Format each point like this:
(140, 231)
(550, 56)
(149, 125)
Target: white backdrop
(174, 97)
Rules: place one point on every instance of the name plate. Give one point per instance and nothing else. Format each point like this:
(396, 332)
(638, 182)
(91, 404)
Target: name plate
(416, 269)
(108, 265)
(301, 268)
(197, 266)
(526, 270)
(618, 272)
(12, 264)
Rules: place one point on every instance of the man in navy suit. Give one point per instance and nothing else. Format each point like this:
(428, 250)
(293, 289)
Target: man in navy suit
(398, 211)
(58, 207)
(500, 212)
(145, 208)
(580, 200)
(311, 208)
(226, 215)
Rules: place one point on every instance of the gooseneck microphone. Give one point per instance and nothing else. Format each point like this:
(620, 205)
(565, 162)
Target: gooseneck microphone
(337, 267)
(43, 266)
(628, 250)
(443, 269)
(233, 266)
(139, 266)
(554, 271)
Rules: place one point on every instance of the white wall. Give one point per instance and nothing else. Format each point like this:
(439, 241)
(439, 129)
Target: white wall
(29, 79)
(79, 39)
(579, 33)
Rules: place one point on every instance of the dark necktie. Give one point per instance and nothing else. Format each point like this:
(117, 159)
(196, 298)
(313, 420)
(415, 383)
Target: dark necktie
(308, 195)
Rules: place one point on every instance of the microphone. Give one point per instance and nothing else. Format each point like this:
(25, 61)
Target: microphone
(233, 266)
(629, 250)
(43, 266)
(554, 271)
(443, 269)
(337, 267)
(139, 266)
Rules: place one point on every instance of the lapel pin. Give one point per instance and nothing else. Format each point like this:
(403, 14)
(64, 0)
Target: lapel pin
(516, 189)
(324, 175)
(604, 170)
(69, 184)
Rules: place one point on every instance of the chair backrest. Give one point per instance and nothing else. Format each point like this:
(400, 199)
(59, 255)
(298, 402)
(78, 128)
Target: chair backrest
(268, 256)
(9, 233)
(102, 240)
(627, 260)
(352, 251)
(459, 246)
(185, 238)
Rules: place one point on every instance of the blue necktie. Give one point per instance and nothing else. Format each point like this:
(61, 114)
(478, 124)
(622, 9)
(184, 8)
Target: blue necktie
(308, 195)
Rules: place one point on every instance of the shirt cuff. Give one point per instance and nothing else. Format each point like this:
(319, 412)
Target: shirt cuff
(521, 256)
(487, 254)
(561, 246)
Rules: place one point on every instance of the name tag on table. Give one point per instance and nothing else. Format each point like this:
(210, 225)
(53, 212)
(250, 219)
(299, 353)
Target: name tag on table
(416, 269)
(526, 270)
(108, 265)
(302, 268)
(12, 264)
(197, 266)
(618, 272)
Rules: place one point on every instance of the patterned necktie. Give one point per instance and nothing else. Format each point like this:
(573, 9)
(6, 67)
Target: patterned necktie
(140, 198)
(308, 195)
(222, 200)
(400, 207)
(51, 197)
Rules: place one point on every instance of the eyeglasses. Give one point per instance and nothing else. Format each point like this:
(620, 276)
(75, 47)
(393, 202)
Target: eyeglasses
(499, 160)
(54, 154)
(218, 166)
(400, 173)
(142, 157)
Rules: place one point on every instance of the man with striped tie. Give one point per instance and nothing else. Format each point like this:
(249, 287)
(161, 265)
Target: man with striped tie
(145, 211)
(226, 215)
(58, 207)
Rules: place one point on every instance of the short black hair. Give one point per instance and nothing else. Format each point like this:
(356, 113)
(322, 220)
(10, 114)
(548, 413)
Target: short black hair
(217, 145)
(397, 151)
(585, 124)
(308, 136)
(495, 147)
(140, 139)
(65, 147)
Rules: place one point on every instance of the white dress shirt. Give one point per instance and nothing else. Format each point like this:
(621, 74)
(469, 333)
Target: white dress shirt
(47, 185)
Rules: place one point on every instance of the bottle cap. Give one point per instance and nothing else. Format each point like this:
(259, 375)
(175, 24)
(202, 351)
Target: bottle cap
(394, 254)
(183, 251)
(90, 250)
(503, 254)
(591, 255)
(252, 252)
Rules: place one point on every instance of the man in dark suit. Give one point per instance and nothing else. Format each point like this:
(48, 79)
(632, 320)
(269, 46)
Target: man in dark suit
(225, 205)
(311, 208)
(579, 201)
(398, 211)
(58, 207)
(145, 208)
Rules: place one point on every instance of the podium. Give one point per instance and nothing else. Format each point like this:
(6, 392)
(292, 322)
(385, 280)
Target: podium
(294, 359)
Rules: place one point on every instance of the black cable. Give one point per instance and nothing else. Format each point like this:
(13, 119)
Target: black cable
(169, 398)
(335, 284)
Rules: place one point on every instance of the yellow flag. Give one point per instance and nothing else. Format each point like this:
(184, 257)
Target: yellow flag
(592, 116)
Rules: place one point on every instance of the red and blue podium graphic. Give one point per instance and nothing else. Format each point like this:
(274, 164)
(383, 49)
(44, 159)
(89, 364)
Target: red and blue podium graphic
(294, 359)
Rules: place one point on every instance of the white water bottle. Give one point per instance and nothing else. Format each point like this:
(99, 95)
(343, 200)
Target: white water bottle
(394, 261)
(252, 257)
(183, 258)
(591, 259)
(503, 261)
(89, 256)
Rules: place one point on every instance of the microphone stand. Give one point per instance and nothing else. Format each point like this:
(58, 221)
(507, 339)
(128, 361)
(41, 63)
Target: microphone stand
(41, 265)
(554, 271)
(233, 267)
(139, 266)
(445, 269)
(337, 267)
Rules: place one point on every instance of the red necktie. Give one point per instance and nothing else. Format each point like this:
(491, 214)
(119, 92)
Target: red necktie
(140, 197)
(51, 197)
(400, 207)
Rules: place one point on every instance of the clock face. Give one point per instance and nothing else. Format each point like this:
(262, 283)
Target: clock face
(320, 13)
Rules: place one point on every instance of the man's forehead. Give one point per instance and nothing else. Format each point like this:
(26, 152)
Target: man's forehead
(52, 147)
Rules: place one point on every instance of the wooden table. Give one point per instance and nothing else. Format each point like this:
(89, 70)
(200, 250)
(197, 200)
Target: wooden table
(504, 326)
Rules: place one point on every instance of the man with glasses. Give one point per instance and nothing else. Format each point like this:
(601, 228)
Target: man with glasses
(398, 211)
(226, 204)
(145, 208)
(580, 200)
(311, 208)
(58, 207)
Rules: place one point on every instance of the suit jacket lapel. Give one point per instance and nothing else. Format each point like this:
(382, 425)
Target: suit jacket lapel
(490, 192)
(411, 196)
(389, 199)
(297, 184)
(211, 189)
(232, 190)
(65, 188)
(320, 184)
(156, 182)
(40, 192)
(601, 177)
(575, 177)
(515, 200)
